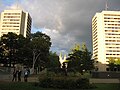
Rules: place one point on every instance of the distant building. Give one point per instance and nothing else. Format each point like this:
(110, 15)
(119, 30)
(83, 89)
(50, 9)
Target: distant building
(15, 21)
(62, 59)
(105, 38)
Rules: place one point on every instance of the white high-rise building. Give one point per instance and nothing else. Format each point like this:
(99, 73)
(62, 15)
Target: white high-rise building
(15, 21)
(105, 37)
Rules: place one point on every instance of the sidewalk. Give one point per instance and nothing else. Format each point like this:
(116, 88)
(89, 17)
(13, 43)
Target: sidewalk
(95, 80)
(8, 78)
(34, 78)
(5, 77)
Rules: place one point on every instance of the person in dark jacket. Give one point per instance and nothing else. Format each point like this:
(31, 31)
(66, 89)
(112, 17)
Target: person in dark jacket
(14, 75)
(26, 75)
(19, 75)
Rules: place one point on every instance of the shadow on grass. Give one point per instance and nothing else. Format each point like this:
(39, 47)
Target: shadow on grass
(30, 86)
(21, 86)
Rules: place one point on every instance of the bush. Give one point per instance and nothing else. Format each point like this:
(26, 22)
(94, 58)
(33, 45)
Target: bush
(83, 83)
(65, 83)
(46, 83)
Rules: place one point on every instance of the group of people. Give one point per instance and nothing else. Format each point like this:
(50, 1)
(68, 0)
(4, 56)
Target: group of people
(17, 75)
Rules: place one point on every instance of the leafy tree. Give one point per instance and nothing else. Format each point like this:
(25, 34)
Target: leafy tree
(10, 47)
(80, 59)
(40, 45)
(114, 64)
(75, 61)
(13, 49)
(86, 58)
(117, 64)
(53, 60)
(24, 52)
(111, 64)
(32, 52)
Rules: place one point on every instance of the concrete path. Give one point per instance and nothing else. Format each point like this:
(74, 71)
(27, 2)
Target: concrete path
(5, 77)
(34, 78)
(8, 78)
(93, 80)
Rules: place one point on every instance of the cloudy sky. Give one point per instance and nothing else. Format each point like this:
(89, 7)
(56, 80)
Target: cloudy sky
(66, 21)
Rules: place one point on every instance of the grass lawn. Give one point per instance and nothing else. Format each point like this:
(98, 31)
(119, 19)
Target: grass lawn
(20, 86)
(30, 86)
(108, 86)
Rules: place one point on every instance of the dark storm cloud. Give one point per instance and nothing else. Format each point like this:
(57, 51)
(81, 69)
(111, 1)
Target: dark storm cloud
(78, 15)
(77, 18)
(114, 5)
(66, 21)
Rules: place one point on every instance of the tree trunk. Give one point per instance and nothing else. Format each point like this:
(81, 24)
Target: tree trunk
(35, 57)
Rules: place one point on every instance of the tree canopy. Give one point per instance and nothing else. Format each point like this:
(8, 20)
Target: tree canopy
(32, 52)
(114, 64)
(40, 46)
(80, 59)
(53, 60)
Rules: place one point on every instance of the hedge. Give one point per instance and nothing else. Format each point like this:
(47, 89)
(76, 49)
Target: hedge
(65, 83)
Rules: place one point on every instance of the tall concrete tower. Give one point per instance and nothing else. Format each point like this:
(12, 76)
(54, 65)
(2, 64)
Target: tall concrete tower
(105, 37)
(15, 21)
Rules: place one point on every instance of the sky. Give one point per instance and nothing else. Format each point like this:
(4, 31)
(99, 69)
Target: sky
(67, 22)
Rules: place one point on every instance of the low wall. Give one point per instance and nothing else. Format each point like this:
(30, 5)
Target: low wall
(105, 74)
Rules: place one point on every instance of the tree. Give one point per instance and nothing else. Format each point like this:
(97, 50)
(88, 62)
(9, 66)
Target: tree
(10, 47)
(53, 60)
(87, 58)
(117, 64)
(31, 52)
(80, 59)
(23, 53)
(111, 63)
(114, 64)
(40, 45)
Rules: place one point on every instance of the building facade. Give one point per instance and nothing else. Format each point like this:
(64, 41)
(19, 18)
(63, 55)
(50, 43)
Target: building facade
(105, 38)
(15, 21)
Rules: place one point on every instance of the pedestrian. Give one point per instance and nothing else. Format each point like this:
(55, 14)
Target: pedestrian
(19, 75)
(26, 75)
(14, 75)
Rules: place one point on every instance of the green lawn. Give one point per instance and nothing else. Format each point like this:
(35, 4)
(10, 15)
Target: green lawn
(107, 86)
(30, 86)
(20, 86)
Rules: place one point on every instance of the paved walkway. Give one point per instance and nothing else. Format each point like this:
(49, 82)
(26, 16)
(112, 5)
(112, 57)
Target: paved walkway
(34, 78)
(8, 78)
(5, 77)
(93, 80)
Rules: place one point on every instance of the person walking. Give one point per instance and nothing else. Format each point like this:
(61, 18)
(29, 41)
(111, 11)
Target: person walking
(19, 75)
(14, 75)
(26, 75)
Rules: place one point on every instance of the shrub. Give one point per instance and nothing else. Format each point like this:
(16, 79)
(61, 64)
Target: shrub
(65, 83)
(83, 83)
(46, 82)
